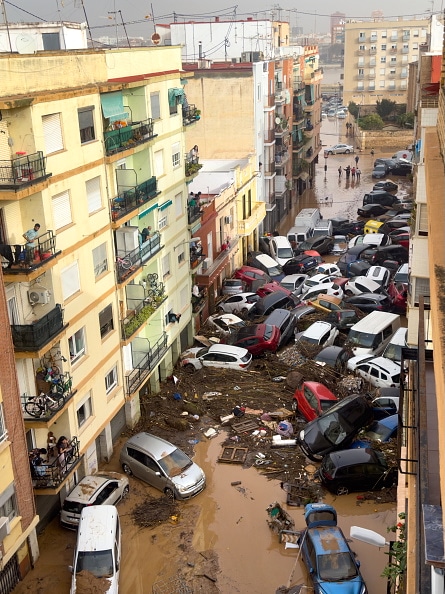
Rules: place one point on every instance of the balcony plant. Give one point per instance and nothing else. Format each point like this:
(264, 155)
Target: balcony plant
(192, 168)
(138, 319)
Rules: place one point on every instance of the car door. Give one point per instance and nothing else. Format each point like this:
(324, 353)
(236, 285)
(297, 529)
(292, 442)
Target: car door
(108, 495)
(145, 468)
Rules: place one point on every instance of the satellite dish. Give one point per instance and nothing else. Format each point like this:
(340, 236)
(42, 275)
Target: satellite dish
(156, 38)
(25, 44)
(278, 120)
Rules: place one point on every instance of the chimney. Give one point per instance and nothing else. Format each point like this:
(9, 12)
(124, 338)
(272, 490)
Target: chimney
(217, 19)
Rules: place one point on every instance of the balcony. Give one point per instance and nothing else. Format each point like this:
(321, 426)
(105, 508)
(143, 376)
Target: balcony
(56, 471)
(250, 223)
(394, 38)
(154, 298)
(194, 213)
(269, 169)
(191, 170)
(208, 275)
(372, 62)
(129, 136)
(132, 199)
(405, 50)
(129, 263)
(32, 337)
(371, 75)
(190, 114)
(298, 113)
(17, 259)
(282, 127)
(373, 50)
(393, 50)
(23, 171)
(45, 406)
(150, 358)
(281, 157)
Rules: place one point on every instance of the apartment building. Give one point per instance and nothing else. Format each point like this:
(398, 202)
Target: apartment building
(377, 58)
(92, 148)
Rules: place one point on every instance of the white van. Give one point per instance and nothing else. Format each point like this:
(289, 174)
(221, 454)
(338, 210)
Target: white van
(280, 249)
(394, 347)
(297, 235)
(372, 333)
(268, 265)
(98, 549)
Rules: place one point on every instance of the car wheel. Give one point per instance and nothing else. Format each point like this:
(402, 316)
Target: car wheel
(330, 152)
(244, 311)
(342, 490)
(349, 293)
(126, 491)
(169, 493)
(127, 469)
(347, 151)
(221, 310)
(189, 368)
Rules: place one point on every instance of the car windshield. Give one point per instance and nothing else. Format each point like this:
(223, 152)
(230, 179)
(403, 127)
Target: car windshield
(336, 567)
(99, 563)
(393, 352)
(175, 463)
(334, 428)
(378, 432)
(73, 507)
(273, 271)
(268, 331)
(363, 339)
(285, 253)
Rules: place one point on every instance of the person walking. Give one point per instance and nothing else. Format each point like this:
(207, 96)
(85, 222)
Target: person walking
(357, 159)
(339, 171)
(348, 171)
(358, 173)
(353, 173)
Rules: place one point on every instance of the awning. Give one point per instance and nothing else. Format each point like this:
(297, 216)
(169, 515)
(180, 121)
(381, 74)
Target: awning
(175, 96)
(113, 106)
(146, 211)
(166, 205)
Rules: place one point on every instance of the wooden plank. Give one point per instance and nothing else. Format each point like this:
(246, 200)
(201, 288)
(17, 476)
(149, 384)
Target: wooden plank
(203, 340)
(233, 455)
(243, 426)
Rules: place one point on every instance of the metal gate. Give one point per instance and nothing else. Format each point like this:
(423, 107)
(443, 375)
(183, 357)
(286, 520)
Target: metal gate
(117, 425)
(10, 576)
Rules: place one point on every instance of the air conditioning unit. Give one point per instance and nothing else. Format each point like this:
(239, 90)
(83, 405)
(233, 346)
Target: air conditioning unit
(36, 297)
(5, 528)
(206, 263)
(228, 220)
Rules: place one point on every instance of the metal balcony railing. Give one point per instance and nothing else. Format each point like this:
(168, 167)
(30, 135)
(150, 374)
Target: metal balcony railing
(129, 262)
(190, 114)
(133, 198)
(154, 354)
(194, 213)
(143, 311)
(17, 258)
(129, 136)
(32, 337)
(46, 405)
(53, 472)
(23, 170)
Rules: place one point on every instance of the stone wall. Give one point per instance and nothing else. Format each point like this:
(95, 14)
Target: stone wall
(386, 139)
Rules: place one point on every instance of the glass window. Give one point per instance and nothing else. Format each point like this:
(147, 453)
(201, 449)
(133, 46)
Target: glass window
(100, 259)
(51, 41)
(176, 154)
(382, 59)
(86, 124)
(178, 205)
(106, 323)
(155, 106)
(165, 265)
(421, 287)
(383, 34)
(84, 411)
(181, 255)
(70, 280)
(62, 214)
(76, 345)
(94, 196)
(111, 379)
(8, 503)
(383, 47)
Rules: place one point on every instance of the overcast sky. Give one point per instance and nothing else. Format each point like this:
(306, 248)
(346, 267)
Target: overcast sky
(136, 14)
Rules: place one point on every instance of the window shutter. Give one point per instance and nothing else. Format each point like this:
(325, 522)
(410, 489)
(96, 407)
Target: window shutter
(155, 106)
(423, 219)
(159, 163)
(62, 210)
(70, 280)
(93, 194)
(52, 132)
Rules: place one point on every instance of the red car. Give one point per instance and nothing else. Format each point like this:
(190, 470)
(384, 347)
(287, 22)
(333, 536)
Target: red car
(257, 339)
(248, 275)
(398, 293)
(271, 288)
(312, 399)
(401, 237)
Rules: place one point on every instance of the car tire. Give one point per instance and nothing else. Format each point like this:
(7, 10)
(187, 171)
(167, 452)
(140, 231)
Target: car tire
(127, 469)
(244, 311)
(347, 151)
(189, 368)
(329, 152)
(342, 490)
(169, 493)
(126, 491)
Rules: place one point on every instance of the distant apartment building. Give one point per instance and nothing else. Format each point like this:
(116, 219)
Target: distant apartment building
(377, 58)
(337, 22)
(29, 38)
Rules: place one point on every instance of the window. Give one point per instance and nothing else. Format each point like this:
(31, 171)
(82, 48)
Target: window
(94, 196)
(84, 410)
(362, 48)
(106, 321)
(181, 255)
(416, 33)
(415, 46)
(176, 154)
(382, 71)
(8, 503)
(165, 265)
(111, 380)
(3, 430)
(62, 210)
(163, 221)
(383, 34)
(361, 61)
(178, 205)
(382, 84)
(159, 163)
(76, 345)
(360, 86)
(51, 41)
(52, 133)
(100, 260)
(382, 59)
(393, 60)
(383, 47)
(361, 72)
(422, 219)
(361, 36)
(373, 48)
(70, 280)
(86, 124)
(421, 287)
(155, 106)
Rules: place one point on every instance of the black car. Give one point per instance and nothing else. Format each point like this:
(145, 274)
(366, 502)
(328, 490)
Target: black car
(362, 469)
(376, 256)
(380, 197)
(401, 168)
(322, 244)
(388, 162)
(342, 226)
(371, 210)
(387, 185)
(352, 255)
(336, 429)
(369, 302)
(342, 319)
(267, 304)
(333, 356)
(300, 264)
(379, 171)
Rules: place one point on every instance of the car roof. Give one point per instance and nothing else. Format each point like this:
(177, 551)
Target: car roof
(156, 446)
(353, 456)
(254, 330)
(86, 488)
(328, 540)
(227, 349)
(317, 329)
(321, 390)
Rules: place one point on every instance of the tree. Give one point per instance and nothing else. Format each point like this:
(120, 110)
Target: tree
(353, 108)
(371, 122)
(385, 108)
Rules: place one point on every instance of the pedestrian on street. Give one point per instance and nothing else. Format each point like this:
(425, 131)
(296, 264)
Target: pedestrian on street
(348, 171)
(372, 151)
(358, 173)
(339, 171)
(357, 159)
(353, 172)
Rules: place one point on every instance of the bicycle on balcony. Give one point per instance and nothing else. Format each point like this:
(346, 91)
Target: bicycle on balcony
(44, 404)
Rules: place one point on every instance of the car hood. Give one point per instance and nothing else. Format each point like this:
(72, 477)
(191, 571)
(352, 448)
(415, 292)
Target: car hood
(187, 479)
(315, 440)
(348, 587)
(190, 353)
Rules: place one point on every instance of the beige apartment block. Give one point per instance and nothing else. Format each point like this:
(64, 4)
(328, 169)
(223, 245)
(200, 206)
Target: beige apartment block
(377, 58)
(92, 148)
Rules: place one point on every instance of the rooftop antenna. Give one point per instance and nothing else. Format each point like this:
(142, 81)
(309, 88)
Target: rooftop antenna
(88, 24)
(125, 29)
(5, 18)
(114, 12)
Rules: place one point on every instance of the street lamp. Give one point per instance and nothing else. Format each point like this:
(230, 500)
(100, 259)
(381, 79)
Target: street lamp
(373, 538)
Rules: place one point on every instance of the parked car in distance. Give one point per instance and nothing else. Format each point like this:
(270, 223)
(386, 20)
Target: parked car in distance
(316, 280)
(352, 255)
(362, 469)
(330, 563)
(377, 256)
(328, 269)
(370, 239)
(225, 323)
(322, 244)
(327, 303)
(257, 339)
(162, 465)
(240, 303)
(386, 404)
(381, 431)
(378, 371)
(272, 287)
(371, 210)
(223, 356)
(103, 488)
(342, 319)
(332, 356)
(250, 275)
(401, 237)
(339, 149)
(300, 264)
(312, 399)
(387, 185)
(347, 227)
(389, 162)
(232, 286)
(401, 168)
(398, 293)
(294, 282)
(320, 334)
(380, 171)
(267, 264)
(337, 428)
(362, 284)
(369, 302)
(331, 288)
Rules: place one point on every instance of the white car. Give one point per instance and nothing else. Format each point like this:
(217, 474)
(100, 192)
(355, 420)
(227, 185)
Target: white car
(378, 371)
(240, 303)
(224, 356)
(380, 275)
(339, 149)
(370, 239)
(294, 282)
(341, 115)
(225, 323)
(318, 334)
(340, 246)
(313, 281)
(330, 288)
(280, 249)
(361, 284)
(328, 269)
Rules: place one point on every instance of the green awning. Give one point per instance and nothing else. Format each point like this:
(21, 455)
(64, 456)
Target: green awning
(147, 210)
(175, 96)
(113, 106)
(166, 205)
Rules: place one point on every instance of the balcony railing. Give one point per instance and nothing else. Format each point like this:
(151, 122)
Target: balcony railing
(16, 258)
(143, 311)
(129, 262)
(190, 114)
(55, 471)
(129, 136)
(133, 198)
(281, 157)
(135, 379)
(32, 337)
(194, 213)
(45, 406)
(23, 170)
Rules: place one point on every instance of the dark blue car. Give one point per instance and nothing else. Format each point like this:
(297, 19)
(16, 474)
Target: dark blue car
(382, 431)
